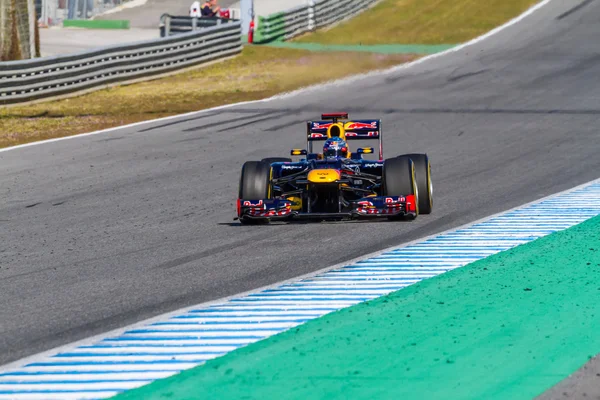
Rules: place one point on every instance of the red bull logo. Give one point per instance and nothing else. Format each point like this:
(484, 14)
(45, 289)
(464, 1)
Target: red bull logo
(362, 125)
(392, 200)
(253, 205)
(318, 125)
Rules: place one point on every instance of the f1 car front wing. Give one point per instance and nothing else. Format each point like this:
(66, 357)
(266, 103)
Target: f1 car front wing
(368, 207)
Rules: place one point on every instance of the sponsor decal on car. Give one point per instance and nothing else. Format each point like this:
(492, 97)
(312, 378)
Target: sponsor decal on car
(292, 166)
(362, 125)
(365, 204)
(319, 125)
(373, 165)
(248, 203)
(266, 208)
(362, 134)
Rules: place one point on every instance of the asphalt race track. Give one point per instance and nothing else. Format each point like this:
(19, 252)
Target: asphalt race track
(105, 230)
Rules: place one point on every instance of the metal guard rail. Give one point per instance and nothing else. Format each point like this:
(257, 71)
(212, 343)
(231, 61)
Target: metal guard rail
(296, 21)
(23, 81)
(328, 12)
(172, 24)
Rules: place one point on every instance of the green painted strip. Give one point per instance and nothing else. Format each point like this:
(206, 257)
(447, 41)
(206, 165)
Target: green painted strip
(380, 48)
(96, 24)
(270, 28)
(506, 327)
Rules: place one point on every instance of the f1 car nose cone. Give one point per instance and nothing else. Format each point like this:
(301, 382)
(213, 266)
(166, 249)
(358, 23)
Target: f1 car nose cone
(323, 176)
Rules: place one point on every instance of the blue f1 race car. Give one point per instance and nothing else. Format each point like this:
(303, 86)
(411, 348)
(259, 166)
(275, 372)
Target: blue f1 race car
(335, 184)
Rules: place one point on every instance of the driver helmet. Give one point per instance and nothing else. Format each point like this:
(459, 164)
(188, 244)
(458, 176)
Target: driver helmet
(335, 147)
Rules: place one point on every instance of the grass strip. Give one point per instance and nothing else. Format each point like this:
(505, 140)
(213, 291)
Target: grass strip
(258, 73)
(421, 22)
(506, 327)
(96, 24)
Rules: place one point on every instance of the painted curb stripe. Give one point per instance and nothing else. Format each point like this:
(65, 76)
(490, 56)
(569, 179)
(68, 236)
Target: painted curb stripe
(165, 347)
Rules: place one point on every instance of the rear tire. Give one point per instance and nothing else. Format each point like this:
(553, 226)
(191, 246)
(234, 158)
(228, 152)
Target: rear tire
(255, 184)
(424, 185)
(399, 178)
(271, 160)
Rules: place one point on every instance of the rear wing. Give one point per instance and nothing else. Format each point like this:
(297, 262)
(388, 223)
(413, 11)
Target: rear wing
(354, 130)
(363, 129)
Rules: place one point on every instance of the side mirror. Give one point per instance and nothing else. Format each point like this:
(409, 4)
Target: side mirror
(365, 150)
(298, 152)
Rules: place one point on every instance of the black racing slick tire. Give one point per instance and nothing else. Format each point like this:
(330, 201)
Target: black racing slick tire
(271, 160)
(254, 184)
(398, 178)
(424, 186)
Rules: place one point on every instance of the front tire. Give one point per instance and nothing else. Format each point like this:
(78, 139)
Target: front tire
(255, 185)
(424, 185)
(399, 179)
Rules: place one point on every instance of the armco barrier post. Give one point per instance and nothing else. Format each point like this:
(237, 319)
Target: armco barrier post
(311, 15)
(194, 23)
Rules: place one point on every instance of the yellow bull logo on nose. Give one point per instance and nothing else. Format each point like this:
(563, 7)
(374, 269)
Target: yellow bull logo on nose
(323, 176)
